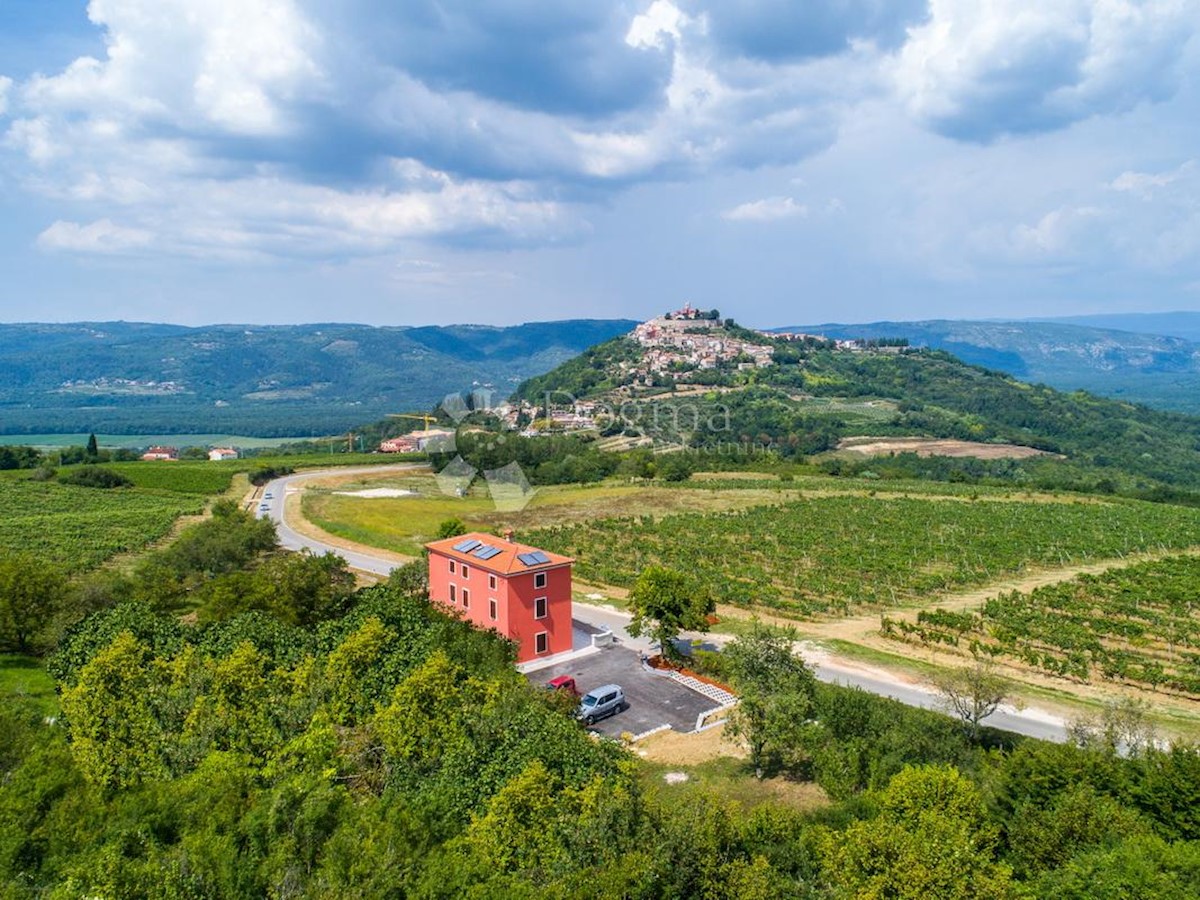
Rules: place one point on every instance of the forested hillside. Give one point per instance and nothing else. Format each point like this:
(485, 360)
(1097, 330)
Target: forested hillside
(812, 396)
(1142, 365)
(119, 377)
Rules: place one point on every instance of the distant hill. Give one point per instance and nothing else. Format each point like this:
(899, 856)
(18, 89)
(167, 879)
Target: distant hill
(1184, 325)
(1159, 370)
(811, 395)
(127, 378)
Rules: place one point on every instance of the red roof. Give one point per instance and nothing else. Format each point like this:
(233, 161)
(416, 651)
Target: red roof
(506, 562)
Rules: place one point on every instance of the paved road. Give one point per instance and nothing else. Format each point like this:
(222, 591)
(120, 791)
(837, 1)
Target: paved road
(1030, 722)
(291, 539)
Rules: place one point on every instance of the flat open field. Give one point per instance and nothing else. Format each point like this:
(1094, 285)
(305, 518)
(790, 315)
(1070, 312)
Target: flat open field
(403, 524)
(870, 446)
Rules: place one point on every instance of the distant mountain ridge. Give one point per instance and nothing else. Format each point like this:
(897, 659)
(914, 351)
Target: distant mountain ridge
(1159, 370)
(263, 380)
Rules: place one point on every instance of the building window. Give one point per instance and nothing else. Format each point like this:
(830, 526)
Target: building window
(492, 608)
(539, 580)
(453, 566)
(539, 608)
(453, 594)
(466, 599)
(541, 642)
(492, 582)
(466, 571)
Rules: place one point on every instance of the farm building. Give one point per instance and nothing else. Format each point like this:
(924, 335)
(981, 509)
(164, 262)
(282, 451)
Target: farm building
(158, 452)
(522, 592)
(216, 454)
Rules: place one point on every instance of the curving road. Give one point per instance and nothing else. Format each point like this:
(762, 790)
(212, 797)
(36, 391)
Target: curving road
(1028, 721)
(271, 505)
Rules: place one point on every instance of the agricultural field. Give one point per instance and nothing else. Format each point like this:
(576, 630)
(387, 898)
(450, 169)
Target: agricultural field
(836, 554)
(78, 528)
(1137, 624)
(402, 524)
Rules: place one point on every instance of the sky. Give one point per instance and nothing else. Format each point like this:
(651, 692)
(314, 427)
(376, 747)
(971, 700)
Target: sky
(501, 161)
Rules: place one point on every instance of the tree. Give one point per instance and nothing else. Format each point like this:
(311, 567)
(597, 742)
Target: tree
(93, 448)
(450, 528)
(972, 693)
(115, 737)
(1123, 726)
(665, 602)
(31, 594)
(930, 840)
(776, 690)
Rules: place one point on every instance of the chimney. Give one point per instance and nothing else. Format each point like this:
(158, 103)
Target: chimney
(508, 534)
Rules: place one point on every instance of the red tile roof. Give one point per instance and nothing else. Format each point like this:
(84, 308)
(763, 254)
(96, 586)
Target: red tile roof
(504, 563)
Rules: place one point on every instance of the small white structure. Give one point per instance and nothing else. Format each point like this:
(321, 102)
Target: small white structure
(217, 454)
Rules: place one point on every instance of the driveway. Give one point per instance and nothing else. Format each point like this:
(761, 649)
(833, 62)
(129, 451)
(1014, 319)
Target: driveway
(653, 699)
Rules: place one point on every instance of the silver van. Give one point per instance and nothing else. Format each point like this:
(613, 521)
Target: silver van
(601, 702)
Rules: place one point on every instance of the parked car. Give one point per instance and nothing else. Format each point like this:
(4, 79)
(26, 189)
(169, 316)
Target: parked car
(564, 683)
(268, 496)
(602, 702)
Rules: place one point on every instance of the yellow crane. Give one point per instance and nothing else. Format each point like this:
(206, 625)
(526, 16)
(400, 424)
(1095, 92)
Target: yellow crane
(425, 418)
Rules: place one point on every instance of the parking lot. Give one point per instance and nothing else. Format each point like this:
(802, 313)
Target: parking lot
(653, 699)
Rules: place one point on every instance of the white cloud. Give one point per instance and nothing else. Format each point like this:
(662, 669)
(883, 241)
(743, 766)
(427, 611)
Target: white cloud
(101, 236)
(230, 64)
(769, 209)
(5, 86)
(976, 70)
(1146, 184)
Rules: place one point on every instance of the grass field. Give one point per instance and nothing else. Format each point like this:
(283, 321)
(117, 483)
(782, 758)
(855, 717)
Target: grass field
(23, 676)
(402, 524)
(79, 528)
(136, 441)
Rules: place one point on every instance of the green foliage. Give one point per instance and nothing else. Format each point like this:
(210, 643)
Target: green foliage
(94, 477)
(930, 839)
(31, 594)
(450, 528)
(776, 689)
(665, 602)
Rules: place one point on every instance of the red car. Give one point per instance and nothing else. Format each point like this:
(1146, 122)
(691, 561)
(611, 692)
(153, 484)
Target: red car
(563, 683)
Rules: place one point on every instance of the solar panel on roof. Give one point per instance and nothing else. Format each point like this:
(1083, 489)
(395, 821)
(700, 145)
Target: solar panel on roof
(487, 551)
(467, 545)
(527, 559)
(539, 556)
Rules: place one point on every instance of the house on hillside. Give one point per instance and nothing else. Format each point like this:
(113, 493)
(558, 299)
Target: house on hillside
(217, 454)
(157, 452)
(519, 591)
(432, 440)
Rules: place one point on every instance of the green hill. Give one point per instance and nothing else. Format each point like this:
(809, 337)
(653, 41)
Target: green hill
(1116, 356)
(813, 395)
(120, 377)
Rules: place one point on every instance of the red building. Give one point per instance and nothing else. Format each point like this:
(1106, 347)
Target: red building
(522, 592)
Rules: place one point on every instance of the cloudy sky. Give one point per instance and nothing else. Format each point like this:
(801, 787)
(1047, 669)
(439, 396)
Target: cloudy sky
(509, 160)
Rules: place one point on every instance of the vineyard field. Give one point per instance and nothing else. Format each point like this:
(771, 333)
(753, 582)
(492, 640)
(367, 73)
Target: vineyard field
(839, 553)
(1138, 624)
(79, 527)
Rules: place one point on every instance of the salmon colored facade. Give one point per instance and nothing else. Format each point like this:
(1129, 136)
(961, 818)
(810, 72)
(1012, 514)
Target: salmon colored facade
(520, 591)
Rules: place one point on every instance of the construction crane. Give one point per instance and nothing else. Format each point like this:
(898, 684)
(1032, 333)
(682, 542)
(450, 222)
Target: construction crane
(425, 418)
